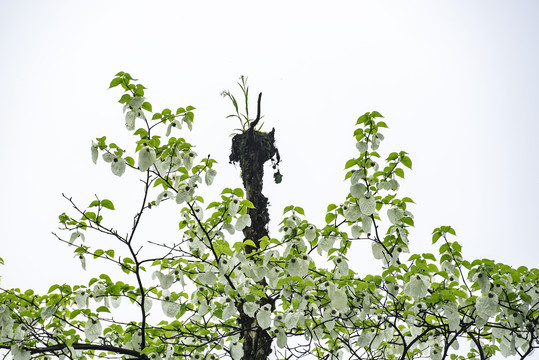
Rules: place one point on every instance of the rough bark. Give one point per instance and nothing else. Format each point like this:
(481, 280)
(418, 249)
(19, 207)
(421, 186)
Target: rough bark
(252, 149)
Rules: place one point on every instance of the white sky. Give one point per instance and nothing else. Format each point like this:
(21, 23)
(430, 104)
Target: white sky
(456, 81)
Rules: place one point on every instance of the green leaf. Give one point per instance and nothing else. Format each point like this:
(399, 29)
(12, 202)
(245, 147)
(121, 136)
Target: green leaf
(147, 106)
(350, 163)
(238, 192)
(115, 82)
(94, 203)
(406, 161)
(125, 98)
(107, 204)
(102, 309)
(392, 156)
(399, 172)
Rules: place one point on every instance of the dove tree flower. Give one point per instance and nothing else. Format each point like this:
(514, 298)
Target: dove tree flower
(225, 288)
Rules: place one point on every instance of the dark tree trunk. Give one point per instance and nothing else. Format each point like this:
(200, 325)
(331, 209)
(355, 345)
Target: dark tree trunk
(252, 149)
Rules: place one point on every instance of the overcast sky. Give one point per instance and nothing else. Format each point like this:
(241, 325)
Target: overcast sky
(456, 80)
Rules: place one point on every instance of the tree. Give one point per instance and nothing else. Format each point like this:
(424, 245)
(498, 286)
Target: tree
(227, 289)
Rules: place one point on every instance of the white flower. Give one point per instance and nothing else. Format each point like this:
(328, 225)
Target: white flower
(452, 314)
(395, 214)
(377, 250)
(482, 280)
(357, 190)
(95, 152)
(81, 298)
(117, 164)
(19, 353)
(281, 338)
(325, 243)
(367, 204)
(361, 146)
(46, 313)
(298, 266)
(310, 232)
(207, 278)
(146, 158)
(198, 213)
(342, 265)
(351, 212)
(356, 176)
(137, 102)
(169, 307)
(250, 308)
(487, 305)
(436, 352)
(366, 223)
(417, 286)
(233, 206)
(263, 316)
(165, 281)
(184, 194)
(229, 309)
(92, 329)
(130, 120)
(148, 303)
(163, 195)
(210, 175)
(236, 350)
(230, 228)
(75, 236)
(173, 124)
(242, 222)
(188, 159)
(339, 300)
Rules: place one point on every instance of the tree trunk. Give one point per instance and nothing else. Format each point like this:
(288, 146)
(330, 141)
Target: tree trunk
(252, 149)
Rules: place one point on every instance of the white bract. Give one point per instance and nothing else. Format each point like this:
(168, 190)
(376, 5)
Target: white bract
(163, 196)
(173, 124)
(263, 316)
(394, 215)
(325, 243)
(236, 350)
(233, 206)
(117, 164)
(487, 305)
(417, 286)
(92, 329)
(188, 159)
(250, 308)
(169, 307)
(298, 266)
(184, 194)
(357, 190)
(361, 146)
(351, 212)
(310, 232)
(75, 235)
(367, 204)
(130, 117)
(339, 300)
(95, 152)
(165, 281)
(242, 222)
(146, 158)
(209, 176)
(137, 102)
